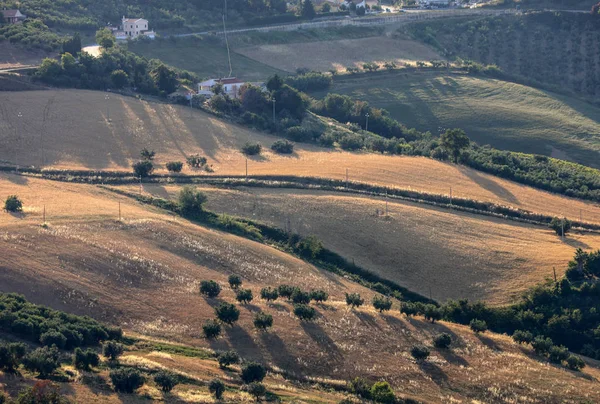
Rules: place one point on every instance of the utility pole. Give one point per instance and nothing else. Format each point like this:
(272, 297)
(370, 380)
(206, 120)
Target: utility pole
(346, 178)
(44, 222)
(119, 211)
(18, 134)
(141, 189)
(246, 168)
(450, 195)
(580, 216)
(107, 98)
(367, 124)
(386, 203)
(554, 269)
(274, 109)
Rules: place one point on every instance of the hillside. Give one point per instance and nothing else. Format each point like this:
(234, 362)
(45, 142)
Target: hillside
(141, 271)
(69, 129)
(508, 115)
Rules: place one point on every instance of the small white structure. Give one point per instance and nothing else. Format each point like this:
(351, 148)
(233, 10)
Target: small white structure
(231, 86)
(133, 28)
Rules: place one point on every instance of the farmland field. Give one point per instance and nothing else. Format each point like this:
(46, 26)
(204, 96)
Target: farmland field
(503, 114)
(76, 134)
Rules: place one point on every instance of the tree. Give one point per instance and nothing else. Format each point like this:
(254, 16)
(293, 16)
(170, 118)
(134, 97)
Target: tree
(42, 392)
(68, 63)
(286, 291)
(596, 10)
(147, 155)
(227, 313)
(561, 226)
(408, 309)
(119, 78)
(253, 372)
(235, 281)
(279, 6)
(269, 294)
(227, 359)
(244, 296)
(419, 352)
(558, 354)
(541, 345)
(175, 166)
(300, 297)
(210, 288)
(382, 303)
(196, 161)
(143, 168)
(112, 350)
(49, 70)
(442, 341)
(11, 355)
(274, 83)
(478, 326)
(319, 296)
(251, 149)
(164, 78)
(263, 321)
(283, 147)
(308, 10)
(522, 337)
(574, 362)
(326, 8)
(381, 392)
(217, 388)
(304, 312)
(166, 380)
(310, 246)
(454, 141)
(432, 313)
(85, 359)
(354, 300)
(257, 390)
(105, 38)
(72, 45)
(13, 204)
(191, 201)
(126, 380)
(211, 329)
(361, 387)
(42, 360)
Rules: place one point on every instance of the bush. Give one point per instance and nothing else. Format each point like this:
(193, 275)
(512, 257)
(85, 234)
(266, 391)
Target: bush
(408, 309)
(217, 388)
(269, 294)
(560, 226)
(253, 372)
(300, 297)
(175, 166)
(191, 201)
(13, 204)
(244, 296)
(42, 392)
(166, 380)
(286, 291)
(251, 149)
(304, 312)
(11, 355)
(326, 140)
(382, 303)
(522, 337)
(234, 281)
(283, 147)
(558, 354)
(420, 352)
(310, 247)
(126, 380)
(263, 321)
(53, 337)
(443, 341)
(478, 326)
(299, 134)
(210, 288)
(354, 300)
(146, 154)
(227, 359)
(351, 142)
(432, 313)
(42, 360)
(112, 350)
(85, 359)
(361, 387)
(196, 161)
(211, 329)
(257, 390)
(319, 296)
(227, 313)
(574, 362)
(381, 392)
(143, 168)
(541, 345)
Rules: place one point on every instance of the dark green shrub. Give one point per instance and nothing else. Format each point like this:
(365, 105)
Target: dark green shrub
(126, 380)
(196, 161)
(42, 360)
(558, 354)
(211, 329)
(13, 204)
(522, 337)
(478, 326)
(257, 390)
(286, 291)
(443, 341)
(304, 312)
(300, 297)
(217, 388)
(354, 300)
(227, 313)
(361, 387)
(227, 359)
(326, 140)
(143, 168)
(175, 166)
(263, 321)
(575, 362)
(351, 142)
(408, 309)
(42, 392)
(53, 337)
(269, 294)
(381, 392)
(283, 147)
(319, 295)
(191, 201)
(112, 350)
(253, 372)
(561, 226)
(299, 134)
(84, 360)
(244, 296)
(11, 355)
(432, 313)
(146, 154)
(251, 149)
(210, 288)
(419, 352)
(166, 380)
(234, 281)
(382, 303)
(541, 345)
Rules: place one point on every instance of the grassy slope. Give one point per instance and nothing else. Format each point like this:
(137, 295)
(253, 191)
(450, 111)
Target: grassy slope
(142, 271)
(506, 115)
(78, 135)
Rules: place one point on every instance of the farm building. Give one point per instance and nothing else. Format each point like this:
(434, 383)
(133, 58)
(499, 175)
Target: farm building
(13, 16)
(133, 28)
(231, 86)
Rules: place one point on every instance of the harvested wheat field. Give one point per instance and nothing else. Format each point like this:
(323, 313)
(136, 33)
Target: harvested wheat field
(143, 273)
(70, 129)
(339, 54)
(452, 254)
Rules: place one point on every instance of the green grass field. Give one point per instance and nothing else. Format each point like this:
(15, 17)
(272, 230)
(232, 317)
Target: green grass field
(503, 114)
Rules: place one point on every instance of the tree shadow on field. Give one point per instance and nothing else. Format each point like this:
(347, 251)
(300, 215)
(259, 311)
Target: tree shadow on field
(280, 355)
(15, 178)
(251, 307)
(488, 342)
(436, 373)
(491, 185)
(367, 319)
(278, 306)
(242, 342)
(575, 243)
(317, 334)
(448, 354)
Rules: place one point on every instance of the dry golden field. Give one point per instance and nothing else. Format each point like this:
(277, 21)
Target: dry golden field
(143, 273)
(76, 133)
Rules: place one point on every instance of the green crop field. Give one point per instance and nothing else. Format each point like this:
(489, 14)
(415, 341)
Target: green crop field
(500, 113)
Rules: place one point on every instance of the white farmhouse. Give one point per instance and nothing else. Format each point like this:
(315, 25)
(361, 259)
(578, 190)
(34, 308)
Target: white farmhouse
(231, 86)
(134, 27)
